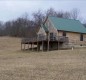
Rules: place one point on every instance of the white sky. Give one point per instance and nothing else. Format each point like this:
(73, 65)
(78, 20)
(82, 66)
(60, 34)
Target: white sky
(12, 9)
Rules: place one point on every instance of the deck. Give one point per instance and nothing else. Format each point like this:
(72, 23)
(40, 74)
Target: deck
(44, 38)
(43, 42)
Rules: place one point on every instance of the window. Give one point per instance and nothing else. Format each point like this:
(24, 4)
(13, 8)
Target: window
(81, 37)
(64, 33)
(51, 34)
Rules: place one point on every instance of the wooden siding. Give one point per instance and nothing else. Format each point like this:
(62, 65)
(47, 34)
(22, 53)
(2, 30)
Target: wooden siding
(41, 31)
(74, 38)
(51, 27)
(71, 36)
(84, 37)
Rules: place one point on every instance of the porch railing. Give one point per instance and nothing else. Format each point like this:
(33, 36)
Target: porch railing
(45, 38)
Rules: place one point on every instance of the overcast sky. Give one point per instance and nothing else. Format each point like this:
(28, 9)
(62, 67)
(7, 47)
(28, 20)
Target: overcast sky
(11, 9)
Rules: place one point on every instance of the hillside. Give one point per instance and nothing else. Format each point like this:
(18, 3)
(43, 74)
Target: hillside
(26, 65)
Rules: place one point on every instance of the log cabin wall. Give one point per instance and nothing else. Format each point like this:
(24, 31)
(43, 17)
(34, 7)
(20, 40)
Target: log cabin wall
(74, 38)
(84, 37)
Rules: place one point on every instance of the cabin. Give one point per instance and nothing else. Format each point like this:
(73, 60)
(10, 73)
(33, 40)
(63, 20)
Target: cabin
(56, 33)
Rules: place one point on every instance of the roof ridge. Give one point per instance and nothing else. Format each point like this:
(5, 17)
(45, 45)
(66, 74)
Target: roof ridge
(63, 18)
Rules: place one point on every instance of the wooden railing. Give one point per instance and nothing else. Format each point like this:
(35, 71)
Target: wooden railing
(59, 38)
(44, 38)
(27, 40)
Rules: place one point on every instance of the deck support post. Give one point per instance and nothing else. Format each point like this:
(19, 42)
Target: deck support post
(48, 43)
(28, 46)
(58, 40)
(31, 46)
(21, 46)
(58, 45)
(37, 46)
(24, 46)
(42, 45)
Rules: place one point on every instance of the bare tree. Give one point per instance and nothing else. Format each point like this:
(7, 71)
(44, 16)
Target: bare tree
(75, 13)
(1, 28)
(38, 17)
(51, 12)
(67, 15)
(60, 14)
(24, 27)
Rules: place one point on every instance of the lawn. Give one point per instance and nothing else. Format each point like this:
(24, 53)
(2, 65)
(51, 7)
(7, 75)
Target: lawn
(26, 65)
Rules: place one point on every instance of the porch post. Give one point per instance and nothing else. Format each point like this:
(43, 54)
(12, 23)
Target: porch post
(58, 40)
(24, 46)
(58, 44)
(28, 46)
(42, 45)
(21, 46)
(37, 43)
(48, 42)
(48, 45)
(31, 46)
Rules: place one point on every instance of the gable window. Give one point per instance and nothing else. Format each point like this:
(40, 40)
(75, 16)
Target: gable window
(81, 37)
(64, 33)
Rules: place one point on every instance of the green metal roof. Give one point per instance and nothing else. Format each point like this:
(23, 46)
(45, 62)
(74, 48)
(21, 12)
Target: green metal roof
(44, 27)
(67, 24)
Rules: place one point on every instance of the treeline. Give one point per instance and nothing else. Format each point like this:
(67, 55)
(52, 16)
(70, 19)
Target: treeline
(24, 27)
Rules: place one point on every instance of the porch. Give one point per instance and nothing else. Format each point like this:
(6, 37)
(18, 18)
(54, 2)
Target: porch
(43, 43)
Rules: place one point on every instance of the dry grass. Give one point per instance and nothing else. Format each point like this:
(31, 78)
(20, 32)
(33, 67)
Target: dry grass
(53, 65)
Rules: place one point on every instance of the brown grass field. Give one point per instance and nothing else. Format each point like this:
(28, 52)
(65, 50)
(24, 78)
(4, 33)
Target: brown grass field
(26, 65)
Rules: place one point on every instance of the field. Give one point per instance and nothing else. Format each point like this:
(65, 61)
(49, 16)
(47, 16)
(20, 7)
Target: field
(26, 65)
